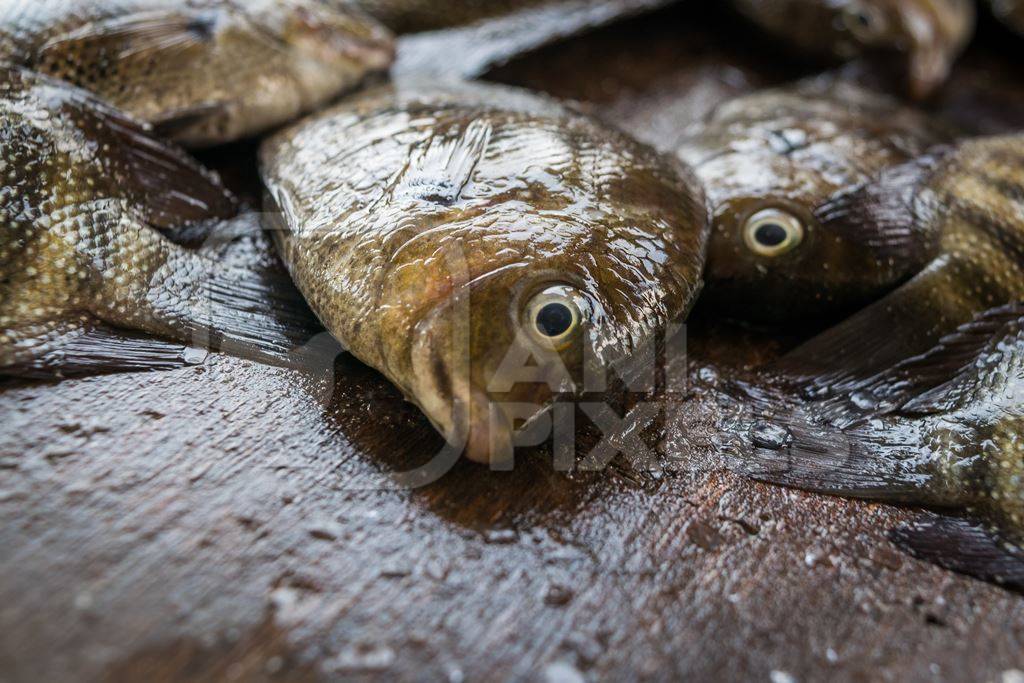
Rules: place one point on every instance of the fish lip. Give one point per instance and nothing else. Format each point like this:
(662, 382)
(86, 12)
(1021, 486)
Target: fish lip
(376, 52)
(929, 69)
(462, 412)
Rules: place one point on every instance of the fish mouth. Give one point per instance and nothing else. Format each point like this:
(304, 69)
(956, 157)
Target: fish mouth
(930, 66)
(375, 51)
(461, 411)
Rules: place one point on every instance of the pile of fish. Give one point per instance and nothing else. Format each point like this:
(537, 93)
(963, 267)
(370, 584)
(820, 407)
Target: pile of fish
(494, 251)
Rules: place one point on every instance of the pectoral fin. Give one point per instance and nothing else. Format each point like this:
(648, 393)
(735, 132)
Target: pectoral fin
(964, 547)
(906, 323)
(157, 35)
(928, 383)
(169, 186)
(89, 347)
(793, 449)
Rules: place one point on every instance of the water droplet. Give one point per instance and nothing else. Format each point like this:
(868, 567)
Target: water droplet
(362, 658)
(703, 535)
(501, 536)
(1012, 676)
(194, 356)
(770, 436)
(325, 530)
(562, 672)
(557, 595)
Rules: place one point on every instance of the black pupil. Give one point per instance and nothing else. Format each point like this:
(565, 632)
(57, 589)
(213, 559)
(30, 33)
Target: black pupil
(770, 234)
(863, 19)
(554, 320)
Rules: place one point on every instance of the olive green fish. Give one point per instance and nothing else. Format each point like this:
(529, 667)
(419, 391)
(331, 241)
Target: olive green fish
(777, 167)
(204, 71)
(86, 190)
(945, 430)
(448, 236)
(1010, 12)
(971, 196)
(930, 34)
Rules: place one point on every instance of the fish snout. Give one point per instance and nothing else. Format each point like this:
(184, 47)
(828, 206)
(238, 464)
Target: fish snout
(373, 47)
(464, 413)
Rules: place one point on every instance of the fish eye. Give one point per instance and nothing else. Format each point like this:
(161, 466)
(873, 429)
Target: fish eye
(863, 21)
(554, 316)
(773, 232)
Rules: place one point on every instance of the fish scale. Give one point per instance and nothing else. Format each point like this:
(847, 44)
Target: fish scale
(205, 71)
(81, 248)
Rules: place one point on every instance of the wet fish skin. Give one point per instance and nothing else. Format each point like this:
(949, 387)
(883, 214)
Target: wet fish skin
(207, 71)
(931, 33)
(972, 199)
(944, 430)
(422, 225)
(802, 150)
(85, 198)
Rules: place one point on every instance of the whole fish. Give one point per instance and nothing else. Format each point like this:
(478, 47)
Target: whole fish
(204, 71)
(971, 195)
(930, 33)
(445, 235)
(1010, 12)
(86, 190)
(776, 165)
(945, 430)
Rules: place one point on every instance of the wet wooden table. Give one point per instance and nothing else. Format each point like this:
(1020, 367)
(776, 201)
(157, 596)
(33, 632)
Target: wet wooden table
(233, 521)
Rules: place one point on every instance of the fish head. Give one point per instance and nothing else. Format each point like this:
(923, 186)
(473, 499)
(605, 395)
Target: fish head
(563, 255)
(929, 34)
(796, 231)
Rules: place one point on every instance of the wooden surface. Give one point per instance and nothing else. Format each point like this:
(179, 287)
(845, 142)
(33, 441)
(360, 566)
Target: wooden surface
(233, 521)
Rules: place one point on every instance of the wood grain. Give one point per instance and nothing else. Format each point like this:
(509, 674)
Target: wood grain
(236, 522)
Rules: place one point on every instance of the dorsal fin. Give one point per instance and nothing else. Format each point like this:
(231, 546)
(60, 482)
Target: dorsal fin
(440, 171)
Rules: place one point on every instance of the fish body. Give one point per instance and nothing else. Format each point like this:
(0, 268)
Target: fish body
(88, 191)
(1010, 12)
(930, 33)
(919, 397)
(971, 195)
(779, 167)
(442, 234)
(945, 429)
(205, 71)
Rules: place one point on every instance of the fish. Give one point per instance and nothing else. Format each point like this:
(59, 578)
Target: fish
(446, 235)
(930, 34)
(971, 196)
(90, 279)
(1010, 12)
(943, 430)
(204, 72)
(777, 166)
